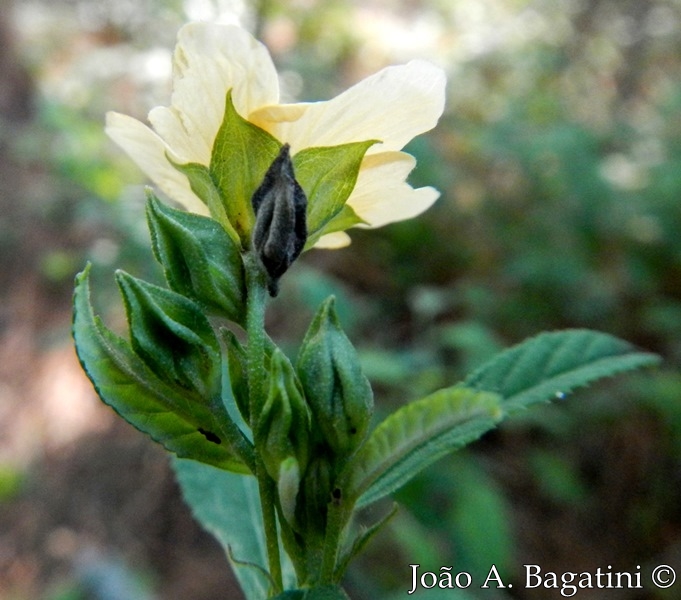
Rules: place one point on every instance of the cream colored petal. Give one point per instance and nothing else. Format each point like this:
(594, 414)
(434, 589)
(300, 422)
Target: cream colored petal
(168, 122)
(331, 241)
(209, 60)
(149, 153)
(383, 196)
(277, 118)
(393, 106)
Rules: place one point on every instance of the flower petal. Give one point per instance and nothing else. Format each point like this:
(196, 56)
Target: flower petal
(393, 106)
(331, 241)
(209, 60)
(149, 152)
(383, 196)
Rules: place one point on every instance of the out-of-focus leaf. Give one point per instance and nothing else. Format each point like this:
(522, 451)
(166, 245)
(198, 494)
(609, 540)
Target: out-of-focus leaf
(228, 506)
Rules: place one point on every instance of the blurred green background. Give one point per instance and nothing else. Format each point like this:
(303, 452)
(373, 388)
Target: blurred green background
(559, 162)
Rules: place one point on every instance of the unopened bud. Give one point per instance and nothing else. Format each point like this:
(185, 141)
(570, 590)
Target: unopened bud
(284, 424)
(280, 230)
(336, 389)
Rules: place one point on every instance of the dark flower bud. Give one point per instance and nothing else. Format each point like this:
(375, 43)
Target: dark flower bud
(280, 230)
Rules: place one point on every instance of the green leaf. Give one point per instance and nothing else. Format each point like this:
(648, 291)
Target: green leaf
(228, 506)
(328, 175)
(242, 153)
(199, 259)
(124, 382)
(415, 436)
(550, 365)
(173, 337)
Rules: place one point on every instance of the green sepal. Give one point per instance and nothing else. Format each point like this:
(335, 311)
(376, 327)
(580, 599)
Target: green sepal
(202, 184)
(283, 427)
(336, 389)
(241, 155)
(199, 258)
(125, 382)
(550, 365)
(173, 337)
(345, 219)
(414, 437)
(328, 175)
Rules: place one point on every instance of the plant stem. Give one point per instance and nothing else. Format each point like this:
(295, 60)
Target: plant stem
(255, 330)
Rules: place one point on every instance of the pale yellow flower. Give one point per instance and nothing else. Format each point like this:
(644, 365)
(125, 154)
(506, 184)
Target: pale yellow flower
(392, 106)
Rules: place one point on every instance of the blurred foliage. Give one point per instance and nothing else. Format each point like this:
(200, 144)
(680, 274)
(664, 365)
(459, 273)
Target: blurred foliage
(559, 162)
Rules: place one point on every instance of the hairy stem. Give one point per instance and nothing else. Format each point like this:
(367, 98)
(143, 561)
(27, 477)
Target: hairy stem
(257, 383)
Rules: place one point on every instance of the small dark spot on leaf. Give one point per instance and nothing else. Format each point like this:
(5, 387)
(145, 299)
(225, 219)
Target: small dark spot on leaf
(337, 493)
(353, 430)
(210, 436)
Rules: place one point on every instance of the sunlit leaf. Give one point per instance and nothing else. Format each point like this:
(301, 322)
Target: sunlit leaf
(202, 184)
